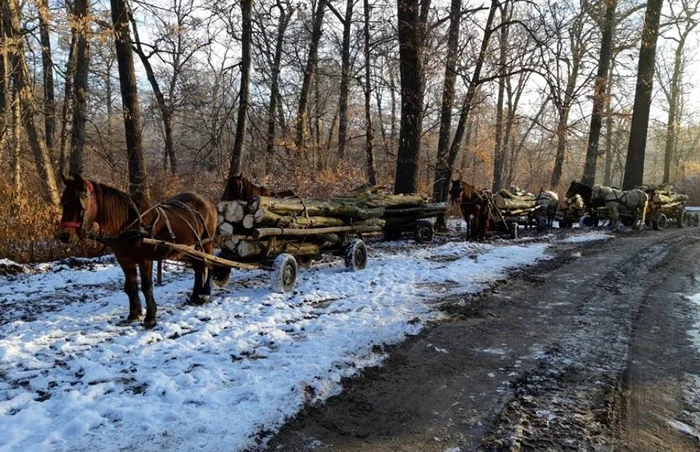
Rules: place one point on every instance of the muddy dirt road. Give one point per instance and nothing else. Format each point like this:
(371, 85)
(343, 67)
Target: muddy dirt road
(587, 351)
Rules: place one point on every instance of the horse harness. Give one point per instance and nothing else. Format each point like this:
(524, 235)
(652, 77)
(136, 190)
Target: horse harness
(89, 205)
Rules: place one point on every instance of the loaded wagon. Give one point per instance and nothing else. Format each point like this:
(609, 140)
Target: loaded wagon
(665, 205)
(510, 210)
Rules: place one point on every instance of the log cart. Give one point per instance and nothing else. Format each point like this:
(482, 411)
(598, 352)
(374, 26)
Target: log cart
(665, 205)
(407, 213)
(509, 211)
(283, 234)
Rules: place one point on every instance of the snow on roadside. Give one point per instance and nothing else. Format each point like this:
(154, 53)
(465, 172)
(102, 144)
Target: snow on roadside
(590, 237)
(219, 375)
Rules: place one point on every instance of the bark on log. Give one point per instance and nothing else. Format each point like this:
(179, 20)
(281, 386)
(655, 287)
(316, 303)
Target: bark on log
(319, 208)
(254, 248)
(268, 232)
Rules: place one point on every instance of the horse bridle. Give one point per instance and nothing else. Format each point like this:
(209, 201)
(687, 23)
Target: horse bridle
(89, 206)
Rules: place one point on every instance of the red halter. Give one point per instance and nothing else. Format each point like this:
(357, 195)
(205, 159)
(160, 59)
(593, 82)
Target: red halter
(90, 210)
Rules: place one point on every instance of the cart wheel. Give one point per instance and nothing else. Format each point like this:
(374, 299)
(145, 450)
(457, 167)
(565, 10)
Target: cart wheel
(513, 230)
(585, 222)
(392, 234)
(356, 255)
(423, 232)
(659, 223)
(284, 273)
(681, 219)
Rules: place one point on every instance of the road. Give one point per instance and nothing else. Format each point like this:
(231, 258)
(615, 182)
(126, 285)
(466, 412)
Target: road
(587, 351)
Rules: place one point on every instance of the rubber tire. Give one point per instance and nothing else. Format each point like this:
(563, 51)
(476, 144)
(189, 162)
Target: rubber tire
(356, 255)
(424, 231)
(586, 222)
(682, 219)
(284, 273)
(659, 223)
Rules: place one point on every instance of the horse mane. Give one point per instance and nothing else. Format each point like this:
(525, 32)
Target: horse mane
(116, 208)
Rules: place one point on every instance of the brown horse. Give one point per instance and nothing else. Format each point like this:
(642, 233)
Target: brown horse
(240, 188)
(185, 219)
(475, 208)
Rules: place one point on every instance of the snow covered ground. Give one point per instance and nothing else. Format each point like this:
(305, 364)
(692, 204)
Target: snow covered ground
(220, 376)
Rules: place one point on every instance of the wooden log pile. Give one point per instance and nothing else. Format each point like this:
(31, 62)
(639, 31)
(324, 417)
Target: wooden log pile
(266, 226)
(665, 194)
(508, 201)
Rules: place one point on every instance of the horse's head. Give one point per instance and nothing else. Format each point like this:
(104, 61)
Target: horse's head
(573, 189)
(79, 209)
(456, 192)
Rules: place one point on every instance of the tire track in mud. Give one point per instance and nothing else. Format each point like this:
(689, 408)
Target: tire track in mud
(533, 364)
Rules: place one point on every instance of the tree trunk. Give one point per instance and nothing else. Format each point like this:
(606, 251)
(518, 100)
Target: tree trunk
(309, 71)
(607, 176)
(634, 166)
(442, 170)
(412, 85)
(673, 103)
(244, 92)
(345, 80)
(47, 68)
(275, 76)
(499, 151)
(67, 100)
(130, 99)
(471, 90)
(563, 123)
(600, 94)
(15, 161)
(80, 84)
(369, 136)
(4, 85)
(166, 109)
(11, 18)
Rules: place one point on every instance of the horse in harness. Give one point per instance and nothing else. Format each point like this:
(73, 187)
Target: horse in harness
(634, 200)
(123, 219)
(474, 205)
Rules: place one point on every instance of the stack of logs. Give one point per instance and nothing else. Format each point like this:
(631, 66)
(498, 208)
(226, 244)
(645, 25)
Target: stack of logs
(666, 194)
(265, 226)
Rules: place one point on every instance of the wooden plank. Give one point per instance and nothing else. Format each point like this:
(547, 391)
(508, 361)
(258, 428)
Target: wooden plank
(268, 232)
(190, 251)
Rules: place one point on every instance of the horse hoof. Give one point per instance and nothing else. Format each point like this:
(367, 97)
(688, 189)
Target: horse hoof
(199, 300)
(149, 324)
(128, 321)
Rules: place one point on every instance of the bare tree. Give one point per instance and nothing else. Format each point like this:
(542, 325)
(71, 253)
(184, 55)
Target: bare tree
(411, 17)
(369, 134)
(309, 71)
(80, 85)
(244, 92)
(636, 149)
(344, 80)
(600, 92)
(47, 73)
(130, 99)
(20, 74)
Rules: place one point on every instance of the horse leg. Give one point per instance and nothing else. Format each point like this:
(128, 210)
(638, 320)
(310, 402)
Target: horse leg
(131, 287)
(205, 294)
(146, 270)
(202, 287)
(614, 216)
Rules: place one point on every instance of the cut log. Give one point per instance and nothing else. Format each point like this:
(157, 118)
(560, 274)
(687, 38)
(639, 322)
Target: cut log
(513, 204)
(234, 212)
(255, 248)
(259, 215)
(380, 197)
(345, 209)
(272, 219)
(269, 232)
(231, 243)
(219, 220)
(226, 230)
(248, 221)
(221, 207)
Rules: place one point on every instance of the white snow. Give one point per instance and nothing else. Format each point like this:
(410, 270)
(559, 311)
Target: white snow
(589, 237)
(220, 376)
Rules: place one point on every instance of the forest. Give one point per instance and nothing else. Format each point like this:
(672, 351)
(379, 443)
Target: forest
(162, 96)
